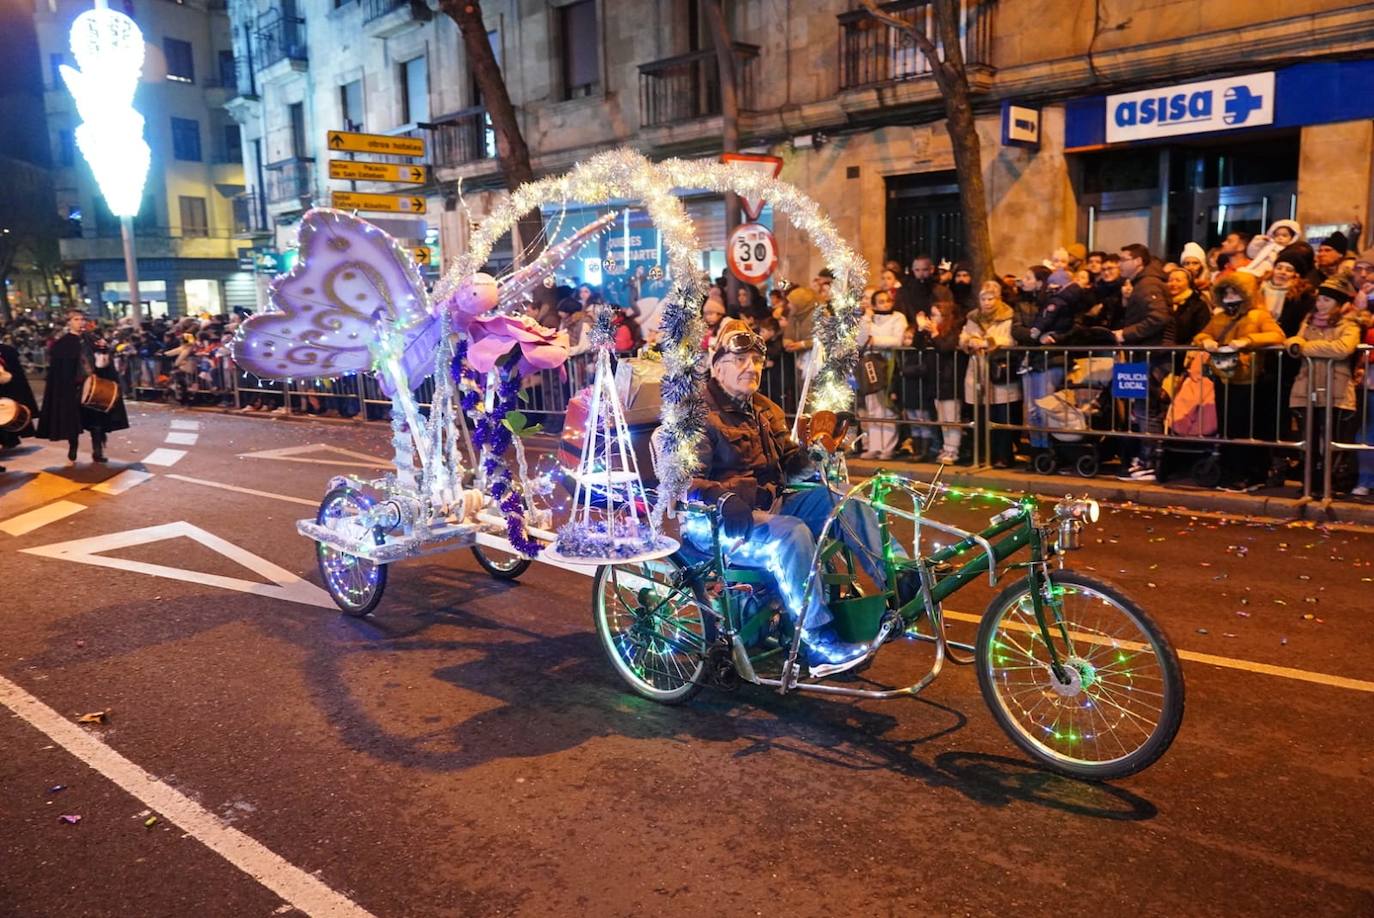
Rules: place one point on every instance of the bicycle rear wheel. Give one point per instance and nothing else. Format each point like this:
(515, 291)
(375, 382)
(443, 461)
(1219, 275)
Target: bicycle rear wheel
(653, 627)
(1120, 703)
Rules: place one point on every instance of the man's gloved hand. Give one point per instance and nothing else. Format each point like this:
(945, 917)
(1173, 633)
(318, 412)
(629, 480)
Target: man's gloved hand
(736, 516)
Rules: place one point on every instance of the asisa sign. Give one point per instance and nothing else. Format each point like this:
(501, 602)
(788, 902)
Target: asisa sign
(1191, 108)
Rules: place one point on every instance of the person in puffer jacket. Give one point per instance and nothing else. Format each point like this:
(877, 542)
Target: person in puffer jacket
(1043, 373)
(1331, 336)
(1241, 325)
(935, 366)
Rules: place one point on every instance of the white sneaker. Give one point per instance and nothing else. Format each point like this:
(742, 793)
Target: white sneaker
(1144, 473)
(1359, 491)
(1130, 473)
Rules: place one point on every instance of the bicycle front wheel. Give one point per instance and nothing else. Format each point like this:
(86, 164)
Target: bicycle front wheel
(653, 628)
(355, 584)
(1118, 702)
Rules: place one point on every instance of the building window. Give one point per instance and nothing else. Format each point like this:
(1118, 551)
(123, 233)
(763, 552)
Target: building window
(414, 91)
(233, 144)
(580, 43)
(66, 148)
(227, 75)
(55, 62)
(186, 139)
(180, 65)
(193, 221)
(298, 147)
(351, 105)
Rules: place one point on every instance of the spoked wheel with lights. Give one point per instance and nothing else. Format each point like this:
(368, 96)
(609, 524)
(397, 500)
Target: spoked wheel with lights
(500, 564)
(652, 622)
(1097, 693)
(355, 584)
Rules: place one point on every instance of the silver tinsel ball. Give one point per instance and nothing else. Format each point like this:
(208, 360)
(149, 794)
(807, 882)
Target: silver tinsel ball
(656, 273)
(549, 281)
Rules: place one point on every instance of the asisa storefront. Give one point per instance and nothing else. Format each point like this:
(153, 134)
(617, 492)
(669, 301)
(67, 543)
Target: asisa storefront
(1195, 161)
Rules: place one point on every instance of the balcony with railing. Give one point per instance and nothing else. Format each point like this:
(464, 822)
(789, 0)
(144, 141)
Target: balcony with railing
(687, 87)
(384, 18)
(291, 180)
(250, 216)
(874, 53)
(279, 37)
(463, 137)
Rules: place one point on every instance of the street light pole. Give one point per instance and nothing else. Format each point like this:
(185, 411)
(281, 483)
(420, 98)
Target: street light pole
(126, 232)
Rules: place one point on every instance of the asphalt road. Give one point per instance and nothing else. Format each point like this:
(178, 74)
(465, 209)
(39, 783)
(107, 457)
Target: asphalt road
(468, 751)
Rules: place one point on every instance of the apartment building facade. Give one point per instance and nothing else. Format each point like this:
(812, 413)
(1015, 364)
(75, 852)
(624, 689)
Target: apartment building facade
(1281, 125)
(187, 255)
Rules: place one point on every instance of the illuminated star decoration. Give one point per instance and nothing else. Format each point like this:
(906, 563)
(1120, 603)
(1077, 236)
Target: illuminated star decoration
(108, 48)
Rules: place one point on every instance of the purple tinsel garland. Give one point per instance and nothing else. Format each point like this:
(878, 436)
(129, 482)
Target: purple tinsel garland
(493, 438)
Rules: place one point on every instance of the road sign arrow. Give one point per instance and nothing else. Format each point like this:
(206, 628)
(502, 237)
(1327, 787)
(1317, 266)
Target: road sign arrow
(416, 204)
(335, 140)
(417, 174)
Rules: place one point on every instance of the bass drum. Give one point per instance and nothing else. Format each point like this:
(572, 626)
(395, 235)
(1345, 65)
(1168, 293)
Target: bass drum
(99, 393)
(13, 415)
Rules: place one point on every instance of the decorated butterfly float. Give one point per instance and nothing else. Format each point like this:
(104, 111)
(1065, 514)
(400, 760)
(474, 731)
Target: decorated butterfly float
(354, 303)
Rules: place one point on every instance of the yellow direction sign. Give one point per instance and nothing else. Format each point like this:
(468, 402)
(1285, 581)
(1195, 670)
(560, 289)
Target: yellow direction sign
(390, 203)
(421, 254)
(376, 172)
(375, 143)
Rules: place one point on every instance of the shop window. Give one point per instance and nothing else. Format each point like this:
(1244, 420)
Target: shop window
(186, 139)
(194, 223)
(180, 63)
(579, 51)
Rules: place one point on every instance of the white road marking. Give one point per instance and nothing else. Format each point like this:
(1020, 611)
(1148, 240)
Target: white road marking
(284, 584)
(185, 425)
(303, 890)
(228, 487)
(163, 456)
(295, 454)
(35, 519)
(1283, 672)
(182, 438)
(123, 481)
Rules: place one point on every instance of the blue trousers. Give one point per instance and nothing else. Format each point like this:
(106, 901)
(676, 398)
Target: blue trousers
(782, 544)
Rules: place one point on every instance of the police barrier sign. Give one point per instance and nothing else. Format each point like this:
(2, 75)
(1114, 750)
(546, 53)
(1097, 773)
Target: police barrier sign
(1192, 108)
(1131, 380)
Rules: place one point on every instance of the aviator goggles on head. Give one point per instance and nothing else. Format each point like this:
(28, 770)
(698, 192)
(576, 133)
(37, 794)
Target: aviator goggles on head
(740, 342)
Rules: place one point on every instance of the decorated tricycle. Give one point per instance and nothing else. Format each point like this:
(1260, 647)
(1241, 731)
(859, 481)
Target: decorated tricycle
(1074, 671)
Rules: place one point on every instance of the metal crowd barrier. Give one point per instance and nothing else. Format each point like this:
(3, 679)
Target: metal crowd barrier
(1254, 421)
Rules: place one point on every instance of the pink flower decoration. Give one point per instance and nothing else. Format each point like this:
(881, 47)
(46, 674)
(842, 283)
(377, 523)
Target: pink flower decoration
(493, 336)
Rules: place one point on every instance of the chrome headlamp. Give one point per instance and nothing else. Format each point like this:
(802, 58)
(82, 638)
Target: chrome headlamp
(1072, 514)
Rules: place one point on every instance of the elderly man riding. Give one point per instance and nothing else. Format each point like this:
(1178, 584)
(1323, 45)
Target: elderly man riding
(745, 459)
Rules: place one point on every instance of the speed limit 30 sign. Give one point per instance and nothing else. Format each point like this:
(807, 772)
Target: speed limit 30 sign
(751, 253)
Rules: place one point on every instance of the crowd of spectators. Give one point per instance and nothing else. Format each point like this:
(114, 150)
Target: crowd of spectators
(1223, 331)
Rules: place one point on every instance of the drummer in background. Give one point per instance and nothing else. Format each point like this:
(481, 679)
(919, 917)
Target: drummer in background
(71, 359)
(14, 386)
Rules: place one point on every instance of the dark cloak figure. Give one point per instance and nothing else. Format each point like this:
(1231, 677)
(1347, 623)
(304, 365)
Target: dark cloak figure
(18, 389)
(70, 360)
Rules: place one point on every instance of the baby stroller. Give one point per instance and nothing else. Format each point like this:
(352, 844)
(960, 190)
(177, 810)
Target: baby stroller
(1069, 411)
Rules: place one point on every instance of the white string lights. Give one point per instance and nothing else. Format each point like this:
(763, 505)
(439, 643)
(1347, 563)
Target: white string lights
(625, 173)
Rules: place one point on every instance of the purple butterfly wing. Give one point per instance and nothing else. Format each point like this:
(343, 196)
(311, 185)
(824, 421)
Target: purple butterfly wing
(323, 323)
